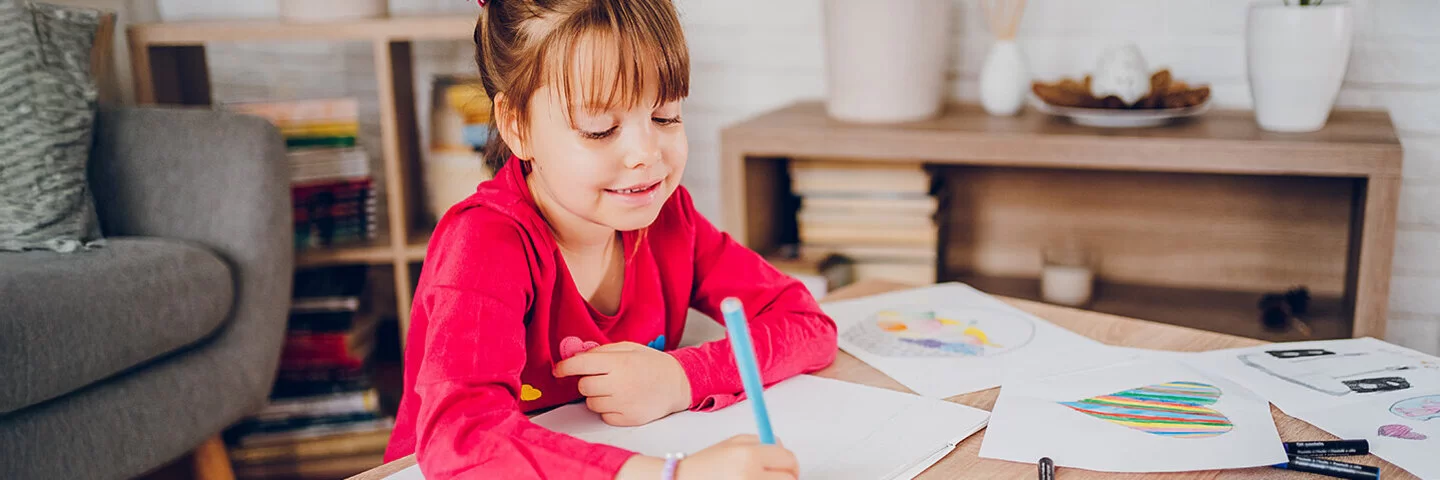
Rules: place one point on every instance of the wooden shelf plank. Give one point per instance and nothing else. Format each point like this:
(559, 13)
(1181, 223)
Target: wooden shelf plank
(448, 27)
(415, 249)
(1234, 313)
(1353, 143)
(368, 254)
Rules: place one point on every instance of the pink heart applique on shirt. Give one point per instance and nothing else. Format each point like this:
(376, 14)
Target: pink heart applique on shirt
(572, 346)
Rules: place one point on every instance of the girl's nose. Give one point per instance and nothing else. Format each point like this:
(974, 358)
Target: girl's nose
(646, 150)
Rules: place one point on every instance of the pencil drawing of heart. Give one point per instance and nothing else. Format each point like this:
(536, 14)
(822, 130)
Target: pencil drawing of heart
(1174, 409)
(572, 346)
(1400, 431)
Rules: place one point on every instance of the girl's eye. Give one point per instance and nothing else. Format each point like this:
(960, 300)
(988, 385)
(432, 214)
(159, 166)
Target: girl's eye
(599, 135)
(665, 121)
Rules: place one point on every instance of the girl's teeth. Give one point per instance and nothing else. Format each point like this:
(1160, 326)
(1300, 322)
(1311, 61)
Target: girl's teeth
(633, 190)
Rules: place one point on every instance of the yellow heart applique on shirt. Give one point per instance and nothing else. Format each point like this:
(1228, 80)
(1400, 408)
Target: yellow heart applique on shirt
(529, 393)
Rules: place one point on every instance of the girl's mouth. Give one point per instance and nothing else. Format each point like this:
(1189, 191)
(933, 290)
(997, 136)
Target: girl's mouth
(640, 189)
(637, 195)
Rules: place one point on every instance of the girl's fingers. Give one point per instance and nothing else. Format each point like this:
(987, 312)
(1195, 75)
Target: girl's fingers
(778, 459)
(774, 475)
(602, 405)
(583, 364)
(618, 419)
(596, 386)
(617, 347)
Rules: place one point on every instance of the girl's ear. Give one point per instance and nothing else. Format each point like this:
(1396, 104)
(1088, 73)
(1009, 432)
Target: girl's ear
(507, 120)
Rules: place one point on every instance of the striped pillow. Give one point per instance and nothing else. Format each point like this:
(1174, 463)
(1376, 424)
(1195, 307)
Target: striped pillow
(47, 109)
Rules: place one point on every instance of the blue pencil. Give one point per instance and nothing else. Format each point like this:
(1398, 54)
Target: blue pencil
(739, 332)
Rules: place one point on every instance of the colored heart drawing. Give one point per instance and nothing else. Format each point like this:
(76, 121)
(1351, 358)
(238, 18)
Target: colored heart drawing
(658, 343)
(529, 393)
(1418, 408)
(1400, 431)
(572, 346)
(1174, 409)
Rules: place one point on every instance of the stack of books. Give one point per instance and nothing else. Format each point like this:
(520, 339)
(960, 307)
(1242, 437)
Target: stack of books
(331, 185)
(324, 419)
(880, 216)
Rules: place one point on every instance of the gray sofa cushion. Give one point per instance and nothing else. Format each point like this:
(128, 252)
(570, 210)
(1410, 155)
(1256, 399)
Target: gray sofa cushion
(68, 320)
(47, 109)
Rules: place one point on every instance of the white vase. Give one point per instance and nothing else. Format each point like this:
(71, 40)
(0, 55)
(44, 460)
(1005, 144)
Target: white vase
(886, 61)
(1296, 57)
(1004, 79)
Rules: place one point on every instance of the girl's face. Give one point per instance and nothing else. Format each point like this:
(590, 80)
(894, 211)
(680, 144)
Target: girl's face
(614, 166)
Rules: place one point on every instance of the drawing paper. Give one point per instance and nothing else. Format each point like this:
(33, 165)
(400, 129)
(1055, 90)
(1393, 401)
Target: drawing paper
(1301, 376)
(837, 430)
(1147, 415)
(1404, 430)
(951, 339)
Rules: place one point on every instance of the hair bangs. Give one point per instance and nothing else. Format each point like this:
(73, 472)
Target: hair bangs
(602, 57)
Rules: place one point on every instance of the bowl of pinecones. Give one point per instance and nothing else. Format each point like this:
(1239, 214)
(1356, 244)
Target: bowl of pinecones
(1167, 100)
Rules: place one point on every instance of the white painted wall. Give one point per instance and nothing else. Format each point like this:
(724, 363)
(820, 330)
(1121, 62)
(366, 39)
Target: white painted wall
(752, 55)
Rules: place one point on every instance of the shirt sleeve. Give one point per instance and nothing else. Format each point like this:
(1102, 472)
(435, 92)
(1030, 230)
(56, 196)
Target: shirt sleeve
(790, 333)
(469, 423)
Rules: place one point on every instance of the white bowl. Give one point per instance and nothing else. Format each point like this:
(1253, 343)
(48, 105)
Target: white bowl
(1119, 118)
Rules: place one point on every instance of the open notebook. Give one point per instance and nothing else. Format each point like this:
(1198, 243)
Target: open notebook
(838, 430)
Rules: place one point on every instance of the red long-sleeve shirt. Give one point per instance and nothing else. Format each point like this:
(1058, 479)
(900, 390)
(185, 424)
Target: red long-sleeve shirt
(495, 300)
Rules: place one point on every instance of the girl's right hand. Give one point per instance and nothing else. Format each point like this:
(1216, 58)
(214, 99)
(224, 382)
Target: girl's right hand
(740, 457)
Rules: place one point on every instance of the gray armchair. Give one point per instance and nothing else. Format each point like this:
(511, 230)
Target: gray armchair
(117, 360)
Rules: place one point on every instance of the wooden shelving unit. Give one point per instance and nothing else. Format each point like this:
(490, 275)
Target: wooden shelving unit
(168, 60)
(1192, 221)
(372, 254)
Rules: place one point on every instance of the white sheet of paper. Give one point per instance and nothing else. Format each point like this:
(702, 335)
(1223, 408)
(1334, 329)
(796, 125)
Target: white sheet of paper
(950, 339)
(1030, 422)
(836, 429)
(1142, 353)
(1331, 374)
(1405, 431)
(409, 473)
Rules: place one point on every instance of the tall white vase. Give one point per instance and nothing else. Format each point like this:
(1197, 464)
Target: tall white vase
(886, 61)
(1004, 79)
(1296, 57)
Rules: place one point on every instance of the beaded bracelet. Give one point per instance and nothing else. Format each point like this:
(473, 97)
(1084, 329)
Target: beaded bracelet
(672, 460)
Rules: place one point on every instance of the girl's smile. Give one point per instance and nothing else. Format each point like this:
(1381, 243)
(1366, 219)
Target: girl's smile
(637, 195)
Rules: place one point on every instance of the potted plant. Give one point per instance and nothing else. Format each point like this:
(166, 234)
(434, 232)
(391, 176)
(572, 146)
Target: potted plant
(1296, 54)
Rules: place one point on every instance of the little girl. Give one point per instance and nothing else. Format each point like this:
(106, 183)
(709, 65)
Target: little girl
(568, 276)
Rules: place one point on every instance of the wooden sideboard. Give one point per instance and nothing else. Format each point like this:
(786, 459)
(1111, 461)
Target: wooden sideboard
(1192, 221)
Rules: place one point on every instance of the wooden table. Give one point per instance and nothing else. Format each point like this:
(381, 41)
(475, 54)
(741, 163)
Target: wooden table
(965, 462)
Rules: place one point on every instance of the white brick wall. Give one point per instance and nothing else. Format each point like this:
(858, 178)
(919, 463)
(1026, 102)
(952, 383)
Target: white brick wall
(753, 55)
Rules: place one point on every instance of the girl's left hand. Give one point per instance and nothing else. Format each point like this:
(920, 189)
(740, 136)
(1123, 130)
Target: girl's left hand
(629, 384)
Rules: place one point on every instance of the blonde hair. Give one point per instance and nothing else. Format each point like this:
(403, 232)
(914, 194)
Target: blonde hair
(522, 45)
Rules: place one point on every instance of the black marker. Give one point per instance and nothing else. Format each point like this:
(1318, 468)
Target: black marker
(1330, 468)
(1047, 469)
(1328, 448)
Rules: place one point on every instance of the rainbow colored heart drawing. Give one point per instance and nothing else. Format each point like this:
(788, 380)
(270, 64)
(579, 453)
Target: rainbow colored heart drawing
(1174, 409)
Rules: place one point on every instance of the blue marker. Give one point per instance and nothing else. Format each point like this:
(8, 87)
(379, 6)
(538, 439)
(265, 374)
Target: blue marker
(739, 331)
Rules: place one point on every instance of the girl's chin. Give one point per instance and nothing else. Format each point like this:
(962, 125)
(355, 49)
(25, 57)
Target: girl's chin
(631, 219)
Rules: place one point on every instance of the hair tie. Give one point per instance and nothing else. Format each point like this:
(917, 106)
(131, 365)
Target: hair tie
(483, 2)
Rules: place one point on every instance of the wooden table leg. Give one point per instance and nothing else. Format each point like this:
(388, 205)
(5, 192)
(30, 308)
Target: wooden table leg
(1376, 254)
(212, 462)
